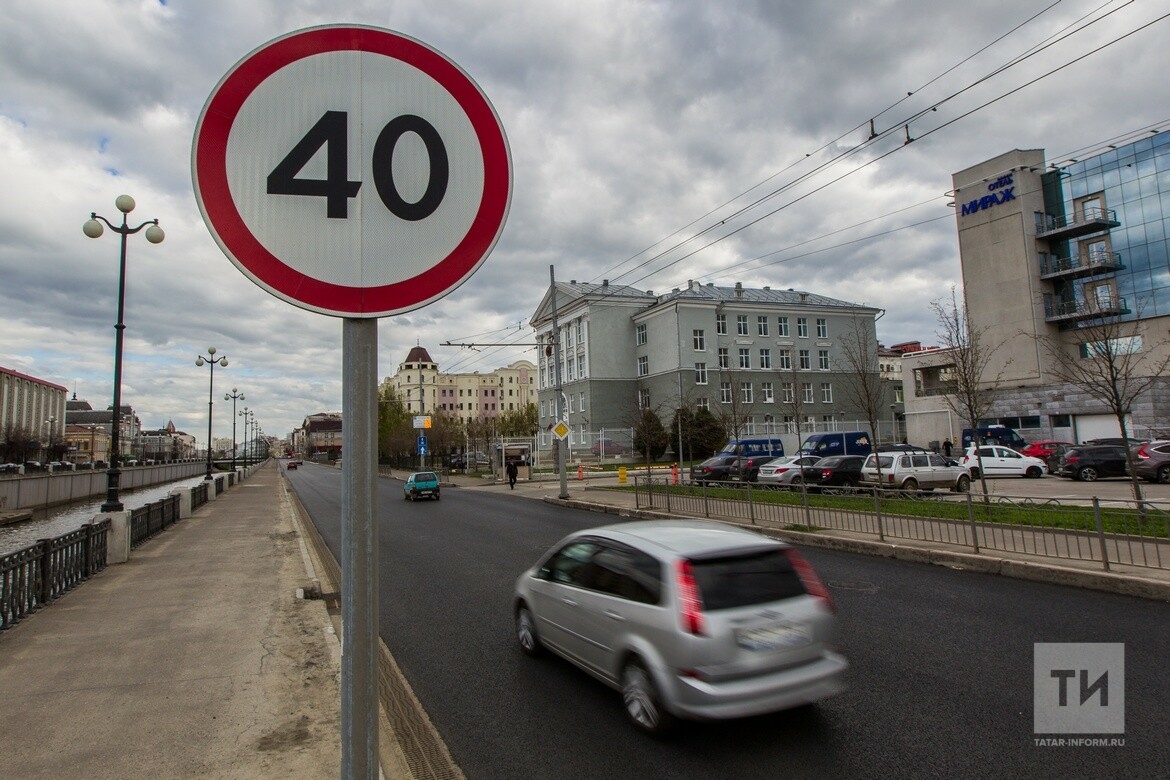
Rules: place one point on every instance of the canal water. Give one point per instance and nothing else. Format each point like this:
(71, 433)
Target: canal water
(59, 520)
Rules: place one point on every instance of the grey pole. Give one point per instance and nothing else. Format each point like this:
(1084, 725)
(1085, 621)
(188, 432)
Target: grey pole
(557, 359)
(359, 549)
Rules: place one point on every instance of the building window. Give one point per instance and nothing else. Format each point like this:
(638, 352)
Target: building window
(786, 392)
(822, 328)
(785, 359)
(806, 390)
(570, 366)
(765, 358)
(826, 392)
(643, 366)
(580, 366)
(745, 357)
(802, 327)
(741, 325)
(725, 392)
(823, 359)
(643, 398)
(766, 394)
(571, 400)
(721, 324)
(745, 392)
(762, 325)
(699, 340)
(700, 373)
(703, 403)
(770, 424)
(805, 360)
(580, 331)
(639, 335)
(782, 327)
(724, 359)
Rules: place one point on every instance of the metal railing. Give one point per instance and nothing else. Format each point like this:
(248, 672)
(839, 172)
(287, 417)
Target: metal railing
(30, 578)
(1122, 533)
(146, 521)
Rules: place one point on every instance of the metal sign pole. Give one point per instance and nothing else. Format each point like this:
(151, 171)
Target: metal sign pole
(359, 548)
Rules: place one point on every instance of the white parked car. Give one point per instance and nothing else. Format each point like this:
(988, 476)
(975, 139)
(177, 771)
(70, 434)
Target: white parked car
(1002, 462)
(784, 471)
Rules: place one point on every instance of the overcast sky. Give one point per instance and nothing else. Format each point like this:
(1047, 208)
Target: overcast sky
(632, 126)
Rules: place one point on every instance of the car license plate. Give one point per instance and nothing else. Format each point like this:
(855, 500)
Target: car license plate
(772, 637)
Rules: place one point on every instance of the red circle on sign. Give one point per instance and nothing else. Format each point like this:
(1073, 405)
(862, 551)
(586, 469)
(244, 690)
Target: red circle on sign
(212, 190)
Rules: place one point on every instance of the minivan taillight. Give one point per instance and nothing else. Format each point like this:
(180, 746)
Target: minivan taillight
(690, 608)
(812, 583)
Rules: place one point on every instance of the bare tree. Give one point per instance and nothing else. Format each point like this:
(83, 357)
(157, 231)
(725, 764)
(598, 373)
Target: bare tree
(732, 413)
(859, 349)
(1110, 361)
(791, 392)
(972, 389)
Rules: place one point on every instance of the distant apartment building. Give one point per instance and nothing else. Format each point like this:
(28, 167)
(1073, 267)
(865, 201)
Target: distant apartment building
(766, 361)
(423, 388)
(1052, 249)
(32, 415)
(319, 436)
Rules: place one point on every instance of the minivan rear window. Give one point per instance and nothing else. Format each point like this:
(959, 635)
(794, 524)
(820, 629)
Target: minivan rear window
(744, 580)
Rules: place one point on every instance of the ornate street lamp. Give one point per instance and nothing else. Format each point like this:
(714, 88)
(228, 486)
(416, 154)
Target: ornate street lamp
(211, 360)
(234, 396)
(154, 234)
(246, 411)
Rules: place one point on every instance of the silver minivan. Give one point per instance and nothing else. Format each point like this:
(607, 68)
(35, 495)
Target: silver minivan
(688, 619)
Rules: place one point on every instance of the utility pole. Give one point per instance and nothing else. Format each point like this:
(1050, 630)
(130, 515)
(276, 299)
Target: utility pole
(557, 359)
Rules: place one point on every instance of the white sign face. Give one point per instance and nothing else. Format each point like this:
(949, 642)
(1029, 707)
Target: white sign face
(352, 171)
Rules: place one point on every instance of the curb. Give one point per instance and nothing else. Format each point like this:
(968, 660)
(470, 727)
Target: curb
(1108, 582)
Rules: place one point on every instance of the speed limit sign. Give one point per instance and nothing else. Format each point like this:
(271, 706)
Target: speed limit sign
(352, 171)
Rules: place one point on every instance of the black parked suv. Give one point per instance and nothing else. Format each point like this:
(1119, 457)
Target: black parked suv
(1093, 461)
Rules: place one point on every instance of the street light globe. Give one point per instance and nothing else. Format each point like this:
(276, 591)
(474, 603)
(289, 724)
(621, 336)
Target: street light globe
(124, 203)
(223, 362)
(211, 350)
(92, 228)
(155, 234)
(199, 361)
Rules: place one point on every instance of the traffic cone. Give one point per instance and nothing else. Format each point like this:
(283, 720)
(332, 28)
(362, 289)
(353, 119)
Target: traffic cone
(580, 471)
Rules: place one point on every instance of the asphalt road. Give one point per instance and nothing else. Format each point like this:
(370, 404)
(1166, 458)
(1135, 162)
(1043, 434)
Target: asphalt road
(941, 682)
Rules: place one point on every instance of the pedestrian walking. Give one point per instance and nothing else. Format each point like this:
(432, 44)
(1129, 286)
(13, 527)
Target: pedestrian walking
(947, 447)
(512, 471)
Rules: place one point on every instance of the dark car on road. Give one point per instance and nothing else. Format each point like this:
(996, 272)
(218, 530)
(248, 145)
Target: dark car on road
(1092, 462)
(833, 471)
(716, 469)
(1153, 461)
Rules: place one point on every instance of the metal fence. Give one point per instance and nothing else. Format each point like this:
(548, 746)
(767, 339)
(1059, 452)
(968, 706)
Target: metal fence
(1120, 532)
(146, 521)
(30, 578)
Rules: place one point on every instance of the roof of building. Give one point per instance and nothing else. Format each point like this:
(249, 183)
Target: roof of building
(696, 291)
(418, 355)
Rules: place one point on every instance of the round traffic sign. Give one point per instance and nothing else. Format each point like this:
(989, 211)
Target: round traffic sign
(352, 171)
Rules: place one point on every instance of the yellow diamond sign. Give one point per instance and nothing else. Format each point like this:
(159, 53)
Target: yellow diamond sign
(561, 430)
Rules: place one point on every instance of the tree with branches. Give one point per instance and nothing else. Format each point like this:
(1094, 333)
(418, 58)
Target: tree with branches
(1111, 361)
(859, 350)
(972, 389)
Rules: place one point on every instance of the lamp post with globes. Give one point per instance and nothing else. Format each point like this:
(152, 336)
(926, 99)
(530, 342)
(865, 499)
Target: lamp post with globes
(155, 235)
(245, 413)
(211, 360)
(234, 395)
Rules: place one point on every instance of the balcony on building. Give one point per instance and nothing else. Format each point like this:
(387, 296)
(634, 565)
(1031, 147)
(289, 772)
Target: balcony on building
(1057, 311)
(1082, 264)
(1060, 227)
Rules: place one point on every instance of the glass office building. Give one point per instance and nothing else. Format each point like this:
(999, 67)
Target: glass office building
(1048, 248)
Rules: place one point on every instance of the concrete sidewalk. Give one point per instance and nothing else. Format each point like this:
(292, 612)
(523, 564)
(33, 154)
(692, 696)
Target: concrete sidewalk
(194, 659)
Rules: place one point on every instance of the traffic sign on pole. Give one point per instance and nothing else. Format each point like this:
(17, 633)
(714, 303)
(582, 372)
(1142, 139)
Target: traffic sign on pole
(352, 171)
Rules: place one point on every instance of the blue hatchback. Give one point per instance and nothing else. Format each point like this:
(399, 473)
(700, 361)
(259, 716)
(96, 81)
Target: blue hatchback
(422, 484)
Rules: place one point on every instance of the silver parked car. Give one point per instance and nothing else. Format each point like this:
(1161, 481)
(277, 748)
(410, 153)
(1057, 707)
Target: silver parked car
(687, 618)
(785, 471)
(914, 471)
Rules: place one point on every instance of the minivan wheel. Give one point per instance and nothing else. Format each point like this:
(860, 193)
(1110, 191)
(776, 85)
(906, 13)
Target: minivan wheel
(643, 704)
(526, 632)
(1088, 474)
(910, 484)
